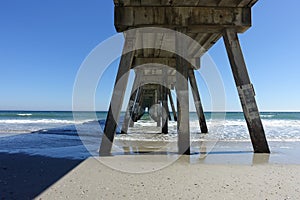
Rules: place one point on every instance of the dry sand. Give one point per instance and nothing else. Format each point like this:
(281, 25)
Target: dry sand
(166, 177)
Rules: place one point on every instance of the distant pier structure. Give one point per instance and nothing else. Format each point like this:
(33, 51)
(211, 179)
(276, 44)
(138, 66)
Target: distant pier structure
(205, 21)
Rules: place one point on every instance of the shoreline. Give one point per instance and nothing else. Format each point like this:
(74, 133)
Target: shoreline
(26, 176)
(214, 151)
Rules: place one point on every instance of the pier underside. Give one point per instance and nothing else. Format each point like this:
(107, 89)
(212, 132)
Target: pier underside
(163, 62)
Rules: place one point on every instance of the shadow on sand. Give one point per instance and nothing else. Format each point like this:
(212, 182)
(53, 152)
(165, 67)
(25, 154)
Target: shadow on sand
(24, 176)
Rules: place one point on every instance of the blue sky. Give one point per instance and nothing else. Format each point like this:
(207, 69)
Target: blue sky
(43, 43)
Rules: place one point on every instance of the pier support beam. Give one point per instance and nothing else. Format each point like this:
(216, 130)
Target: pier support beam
(165, 109)
(140, 110)
(133, 109)
(127, 118)
(118, 95)
(246, 92)
(182, 91)
(169, 114)
(172, 105)
(137, 105)
(157, 107)
(197, 100)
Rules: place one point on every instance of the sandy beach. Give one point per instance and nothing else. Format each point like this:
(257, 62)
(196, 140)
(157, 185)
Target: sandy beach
(154, 170)
(221, 174)
(181, 180)
(229, 171)
(140, 82)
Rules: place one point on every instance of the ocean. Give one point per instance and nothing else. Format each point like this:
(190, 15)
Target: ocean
(57, 134)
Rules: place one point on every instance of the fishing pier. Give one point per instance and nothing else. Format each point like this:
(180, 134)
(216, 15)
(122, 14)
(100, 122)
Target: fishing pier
(164, 62)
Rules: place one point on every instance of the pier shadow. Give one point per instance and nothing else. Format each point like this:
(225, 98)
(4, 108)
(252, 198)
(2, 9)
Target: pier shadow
(27, 166)
(24, 176)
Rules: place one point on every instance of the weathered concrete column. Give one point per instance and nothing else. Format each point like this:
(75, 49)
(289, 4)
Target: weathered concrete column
(165, 109)
(133, 110)
(246, 92)
(165, 114)
(157, 94)
(197, 100)
(172, 105)
(136, 108)
(139, 105)
(169, 114)
(118, 95)
(182, 91)
(127, 117)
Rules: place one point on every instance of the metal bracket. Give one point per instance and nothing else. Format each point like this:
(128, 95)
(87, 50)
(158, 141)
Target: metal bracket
(248, 87)
(247, 96)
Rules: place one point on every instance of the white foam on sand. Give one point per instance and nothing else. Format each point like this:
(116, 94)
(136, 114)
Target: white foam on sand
(37, 121)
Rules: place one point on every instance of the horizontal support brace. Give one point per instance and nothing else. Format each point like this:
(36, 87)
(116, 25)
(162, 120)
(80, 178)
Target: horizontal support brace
(157, 80)
(205, 17)
(171, 62)
(227, 3)
(152, 87)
